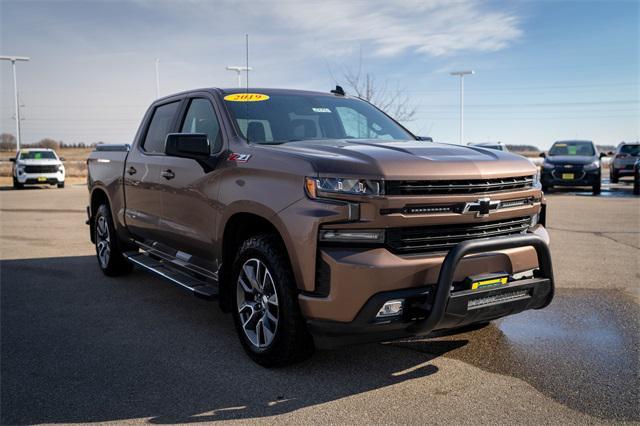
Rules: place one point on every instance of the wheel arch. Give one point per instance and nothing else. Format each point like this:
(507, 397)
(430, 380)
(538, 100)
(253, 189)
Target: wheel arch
(237, 228)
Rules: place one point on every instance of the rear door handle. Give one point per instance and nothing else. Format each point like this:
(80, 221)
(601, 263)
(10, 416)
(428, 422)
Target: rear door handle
(132, 170)
(168, 174)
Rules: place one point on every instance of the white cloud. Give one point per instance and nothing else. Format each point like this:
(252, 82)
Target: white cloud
(434, 28)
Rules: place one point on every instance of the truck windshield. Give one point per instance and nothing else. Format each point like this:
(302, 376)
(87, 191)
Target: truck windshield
(37, 155)
(280, 118)
(572, 148)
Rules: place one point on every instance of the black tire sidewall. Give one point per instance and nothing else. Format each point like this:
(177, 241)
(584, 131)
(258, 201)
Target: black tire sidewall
(266, 249)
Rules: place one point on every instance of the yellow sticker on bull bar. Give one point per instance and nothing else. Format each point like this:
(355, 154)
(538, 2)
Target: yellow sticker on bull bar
(492, 281)
(246, 97)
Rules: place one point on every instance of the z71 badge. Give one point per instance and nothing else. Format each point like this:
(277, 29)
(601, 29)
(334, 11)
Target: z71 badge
(238, 158)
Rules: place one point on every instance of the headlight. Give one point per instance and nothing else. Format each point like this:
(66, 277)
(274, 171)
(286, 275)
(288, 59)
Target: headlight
(20, 169)
(592, 166)
(534, 220)
(536, 180)
(351, 236)
(314, 186)
(61, 168)
(547, 165)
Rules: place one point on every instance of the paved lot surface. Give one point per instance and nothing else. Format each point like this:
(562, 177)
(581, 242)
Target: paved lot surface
(79, 347)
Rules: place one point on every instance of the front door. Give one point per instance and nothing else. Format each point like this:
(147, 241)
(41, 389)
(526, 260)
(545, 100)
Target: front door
(142, 175)
(189, 207)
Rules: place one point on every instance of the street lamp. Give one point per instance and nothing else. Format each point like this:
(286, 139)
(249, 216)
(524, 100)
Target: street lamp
(13, 60)
(239, 70)
(461, 74)
(157, 78)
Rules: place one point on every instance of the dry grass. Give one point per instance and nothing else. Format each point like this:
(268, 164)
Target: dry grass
(74, 161)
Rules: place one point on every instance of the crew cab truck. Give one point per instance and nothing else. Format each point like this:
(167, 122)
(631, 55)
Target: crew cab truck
(319, 221)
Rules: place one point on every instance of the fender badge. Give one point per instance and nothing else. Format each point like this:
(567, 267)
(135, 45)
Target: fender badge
(238, 158)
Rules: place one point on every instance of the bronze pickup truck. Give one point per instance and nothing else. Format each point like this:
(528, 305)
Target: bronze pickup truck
(318, 221)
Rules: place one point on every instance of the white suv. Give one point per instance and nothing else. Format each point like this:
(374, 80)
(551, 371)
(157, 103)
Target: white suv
(37, 166)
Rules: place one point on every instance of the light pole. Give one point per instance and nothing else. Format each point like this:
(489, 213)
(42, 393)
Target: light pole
(461, 74)
(157, 78)
(13, 60)
(239, 70)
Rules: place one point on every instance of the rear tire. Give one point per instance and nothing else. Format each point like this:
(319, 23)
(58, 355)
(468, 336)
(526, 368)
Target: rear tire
(109, 249)
(264, 297)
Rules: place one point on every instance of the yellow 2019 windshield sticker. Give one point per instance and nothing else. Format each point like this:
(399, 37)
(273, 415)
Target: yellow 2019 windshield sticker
(246, 97)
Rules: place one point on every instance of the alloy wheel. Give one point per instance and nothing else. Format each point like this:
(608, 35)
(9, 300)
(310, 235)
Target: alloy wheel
(257, 303)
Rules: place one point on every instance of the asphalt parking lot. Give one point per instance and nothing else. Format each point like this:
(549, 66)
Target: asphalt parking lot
(77, 346)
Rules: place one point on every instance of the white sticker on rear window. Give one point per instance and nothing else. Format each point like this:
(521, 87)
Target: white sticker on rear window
(325, 110)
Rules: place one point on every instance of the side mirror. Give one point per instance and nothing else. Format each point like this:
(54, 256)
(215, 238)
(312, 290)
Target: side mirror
(610, 153)
(602, 155)
(12, 159)
(61, 159)
(543, 155)
(187, 145)
(425, 138)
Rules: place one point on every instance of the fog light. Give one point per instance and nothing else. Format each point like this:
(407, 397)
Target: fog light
(390, 308)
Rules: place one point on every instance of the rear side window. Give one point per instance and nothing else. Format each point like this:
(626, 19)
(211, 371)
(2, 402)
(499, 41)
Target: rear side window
(159, 127)
(201, 118)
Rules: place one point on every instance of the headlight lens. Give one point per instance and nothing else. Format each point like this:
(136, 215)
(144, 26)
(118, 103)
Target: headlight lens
(61, 168)
(592, 166)
(20, 169)
(547, 165)
(343, 186)
(351, 236)
(536, 180)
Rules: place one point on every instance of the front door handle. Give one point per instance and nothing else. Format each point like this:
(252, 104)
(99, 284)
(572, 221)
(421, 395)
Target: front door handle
(168, 174)
(132, 170)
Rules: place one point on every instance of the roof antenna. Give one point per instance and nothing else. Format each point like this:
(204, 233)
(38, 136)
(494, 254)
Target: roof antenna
(246, 38)
(338, 91)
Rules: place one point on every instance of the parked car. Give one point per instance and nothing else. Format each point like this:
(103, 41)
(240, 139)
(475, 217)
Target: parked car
(317, 220)
(37, 166)
(573, 164)
(636, 177)
(623, 160)
(499, 146)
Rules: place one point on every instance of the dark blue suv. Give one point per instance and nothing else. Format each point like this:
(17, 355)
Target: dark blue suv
(572, 163)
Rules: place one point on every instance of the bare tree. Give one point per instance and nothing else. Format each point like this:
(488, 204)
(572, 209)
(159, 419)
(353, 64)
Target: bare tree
(48, 143)
(7, 142)
(394, 101)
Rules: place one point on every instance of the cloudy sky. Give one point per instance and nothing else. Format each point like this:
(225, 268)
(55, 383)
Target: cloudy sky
(545, 70)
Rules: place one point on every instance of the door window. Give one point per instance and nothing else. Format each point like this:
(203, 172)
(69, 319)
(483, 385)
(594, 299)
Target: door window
(159, 127)
(201, 118)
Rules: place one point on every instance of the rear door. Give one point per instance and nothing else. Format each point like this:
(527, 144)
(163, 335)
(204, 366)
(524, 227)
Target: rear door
(191, 189)
(142, 175)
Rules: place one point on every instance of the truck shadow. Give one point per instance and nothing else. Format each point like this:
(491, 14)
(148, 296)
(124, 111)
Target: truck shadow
(80, 347)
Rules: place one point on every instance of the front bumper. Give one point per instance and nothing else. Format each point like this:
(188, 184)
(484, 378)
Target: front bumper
(40, 178)
(580, 177)
(623, 168)
(435, 307)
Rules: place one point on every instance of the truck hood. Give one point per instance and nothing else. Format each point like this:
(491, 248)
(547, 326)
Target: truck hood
(377, 159)
(42, 162)
(571, 159)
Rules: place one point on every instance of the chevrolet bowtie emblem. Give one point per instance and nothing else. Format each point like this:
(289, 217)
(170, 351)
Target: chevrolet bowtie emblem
(481, 208)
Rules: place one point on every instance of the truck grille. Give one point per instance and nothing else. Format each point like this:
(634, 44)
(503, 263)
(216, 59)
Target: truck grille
(429, 239)
(433, 187)
(40, 169)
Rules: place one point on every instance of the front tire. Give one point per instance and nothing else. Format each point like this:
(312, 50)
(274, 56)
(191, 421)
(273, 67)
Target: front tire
(109, 249)
(61, 184)
(266, 313)
(16, 184)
